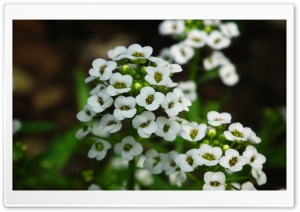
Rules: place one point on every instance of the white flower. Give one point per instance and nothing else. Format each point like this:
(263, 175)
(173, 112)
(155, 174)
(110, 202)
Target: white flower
(211, 22)
(119, 84)
(237, 132)
(255, 159)
(153, 162)
(184, 101)
(230, 29)
(193, 131)
(214, 181)
(118, 163)
(149, 99)
(145, 124)
(167, 128)
(128, 148)
(248, 186)
(165, 55)
(100, 102)
(94, 187)
(99, 149)
(196, 38)
(259, 176)
(217, 40)
(177, 178)
(135, 51)
(217, 119)
(96, 129)
(215, 60)
(125, 107)
(171, 84)
(89, 79)
(228, 74)
(172, 105)
(170, 27)
(159, 75)
(180, 121)
(209, 155)
(86, 114)
(189, 89)
(189, 161)
(181, 53)
(168, 162)
(144, 177)
(82, 132)
(232, 160)
(110, 124)
(253, 138)
(97, 89)
(174, 68)
(102, 69)
(117, 53)
(16, 125)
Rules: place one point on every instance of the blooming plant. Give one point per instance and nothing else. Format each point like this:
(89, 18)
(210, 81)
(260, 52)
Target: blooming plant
(138, 112)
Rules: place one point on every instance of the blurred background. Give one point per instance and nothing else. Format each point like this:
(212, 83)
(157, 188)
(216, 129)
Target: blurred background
(52, 58)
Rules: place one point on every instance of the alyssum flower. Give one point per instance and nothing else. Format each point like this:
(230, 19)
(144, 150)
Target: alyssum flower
(153, 161)
(232, 160)
(217, 119)
(125, 107)
(119, 84)
(172, 105)
(255, 159)
(159, 75)
(214, 181)
(128, 148)
(168, 162)
(100, 102)
(193, 131)
(110, 124)
(145, 124)
(237, 132)
(189, 161)
(149, 98)
(167, 128)
(102, 69)
(209, 156)
(99, 149)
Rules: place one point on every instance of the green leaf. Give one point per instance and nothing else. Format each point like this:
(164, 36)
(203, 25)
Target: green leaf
(194, 113)
(82, 90)
(36, 127)
(209, 75)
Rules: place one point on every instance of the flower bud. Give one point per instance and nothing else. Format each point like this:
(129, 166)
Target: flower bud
(216, 142)
(206, 142)
(212, 132)
(143, 70)
(138, 76)
(225, 147)
(137, 86)
(146, 84)
(222, 127)
(132, 72)
(125, 69)
(222, 138)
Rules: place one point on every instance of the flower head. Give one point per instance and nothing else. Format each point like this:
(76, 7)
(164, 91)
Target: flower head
(184, 101)
(110, 124)
(86, 114)
(119, 84)
(100, 102)
(117, 53)
(259, 176)
(214, 181)
(124, 107)
(209, 155)
(217, 40)
(172, 105)
(159, 75)
(149, 99)
(102, 69)
(196, 38)
(193, 131)
(228, 74)
(189, 89)
(255, 159)
(168, 162)
(237, 132)
(128, 148)
(145, 124)
(189, 161)
(153, 162)
(230, 29)
(99, 149)
(181, 53)
(217, 119)
(253, 138)
(135, 51)
(167, 128)
(232, 160)
(170, 27)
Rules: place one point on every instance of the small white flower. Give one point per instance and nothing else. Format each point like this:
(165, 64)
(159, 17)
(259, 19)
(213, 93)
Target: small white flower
(102, 69)
(97, 89)
(128, 148)
(184, 101)
(153, 162)
(135, 51)
(89, 79)
(209, 155)
(215, 60)
(82, 132)
(125, 107)
(182, 53)
(253, 138)
(144, 177)
(168, 162)
(174, 68)
(86, 114)
(237, 132)
(167, 128)
(119, 84)
(217, 40)
(189, 89)
(214, 181)
(118, 163)
(177, 178)
(96, 129)
(159, 75)
(149, 99)
(255, 159)
(100, 102)
(170, 27)
(233, 161)
(165, 55)
(228, 74)
(16, 125)
(117, 53)
(99, 149)
(248, 186)
(180, 121)
(145, 124)
(211, 22)
(196, 38)
(189, 161)
(171, 84)
(259, 176)
(94, 187)
(172, 105)
(217, 119)
(110, 124)
(193, 131)
(230, 29)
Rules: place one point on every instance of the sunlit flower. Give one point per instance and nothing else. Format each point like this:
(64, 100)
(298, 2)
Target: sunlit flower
(100, 102)
(189, 89)
(181, 53)
(259, 176)
(168, 162)
(230, 29)
(170, 27)
(183, 100)
(233, 161)
(196, 38)
(217, 40)
(228, 74)
(102, 69)
(189, 161)
(149, 99)
(167, 128)
(209, 155)
(153, 162)
(117, 53)
(177, 178)
(237, 132)
(128, 148)
(99, 149)
(110, 124)
(86, 114)
(145, 124)
(172, 105)
(124, 107)
(255, 159)
(217, 119)
(214, 181)
(119, 84)
(159, 75)
(193, 131)
(135, 51)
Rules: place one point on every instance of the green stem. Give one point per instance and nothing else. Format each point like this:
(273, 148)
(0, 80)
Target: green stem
(194, 65)
(238, 178)
(193, 178)
(233, 186)
(131, 172)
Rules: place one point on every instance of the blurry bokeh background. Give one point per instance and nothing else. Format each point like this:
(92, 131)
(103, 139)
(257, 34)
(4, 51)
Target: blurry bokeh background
(51, 57)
